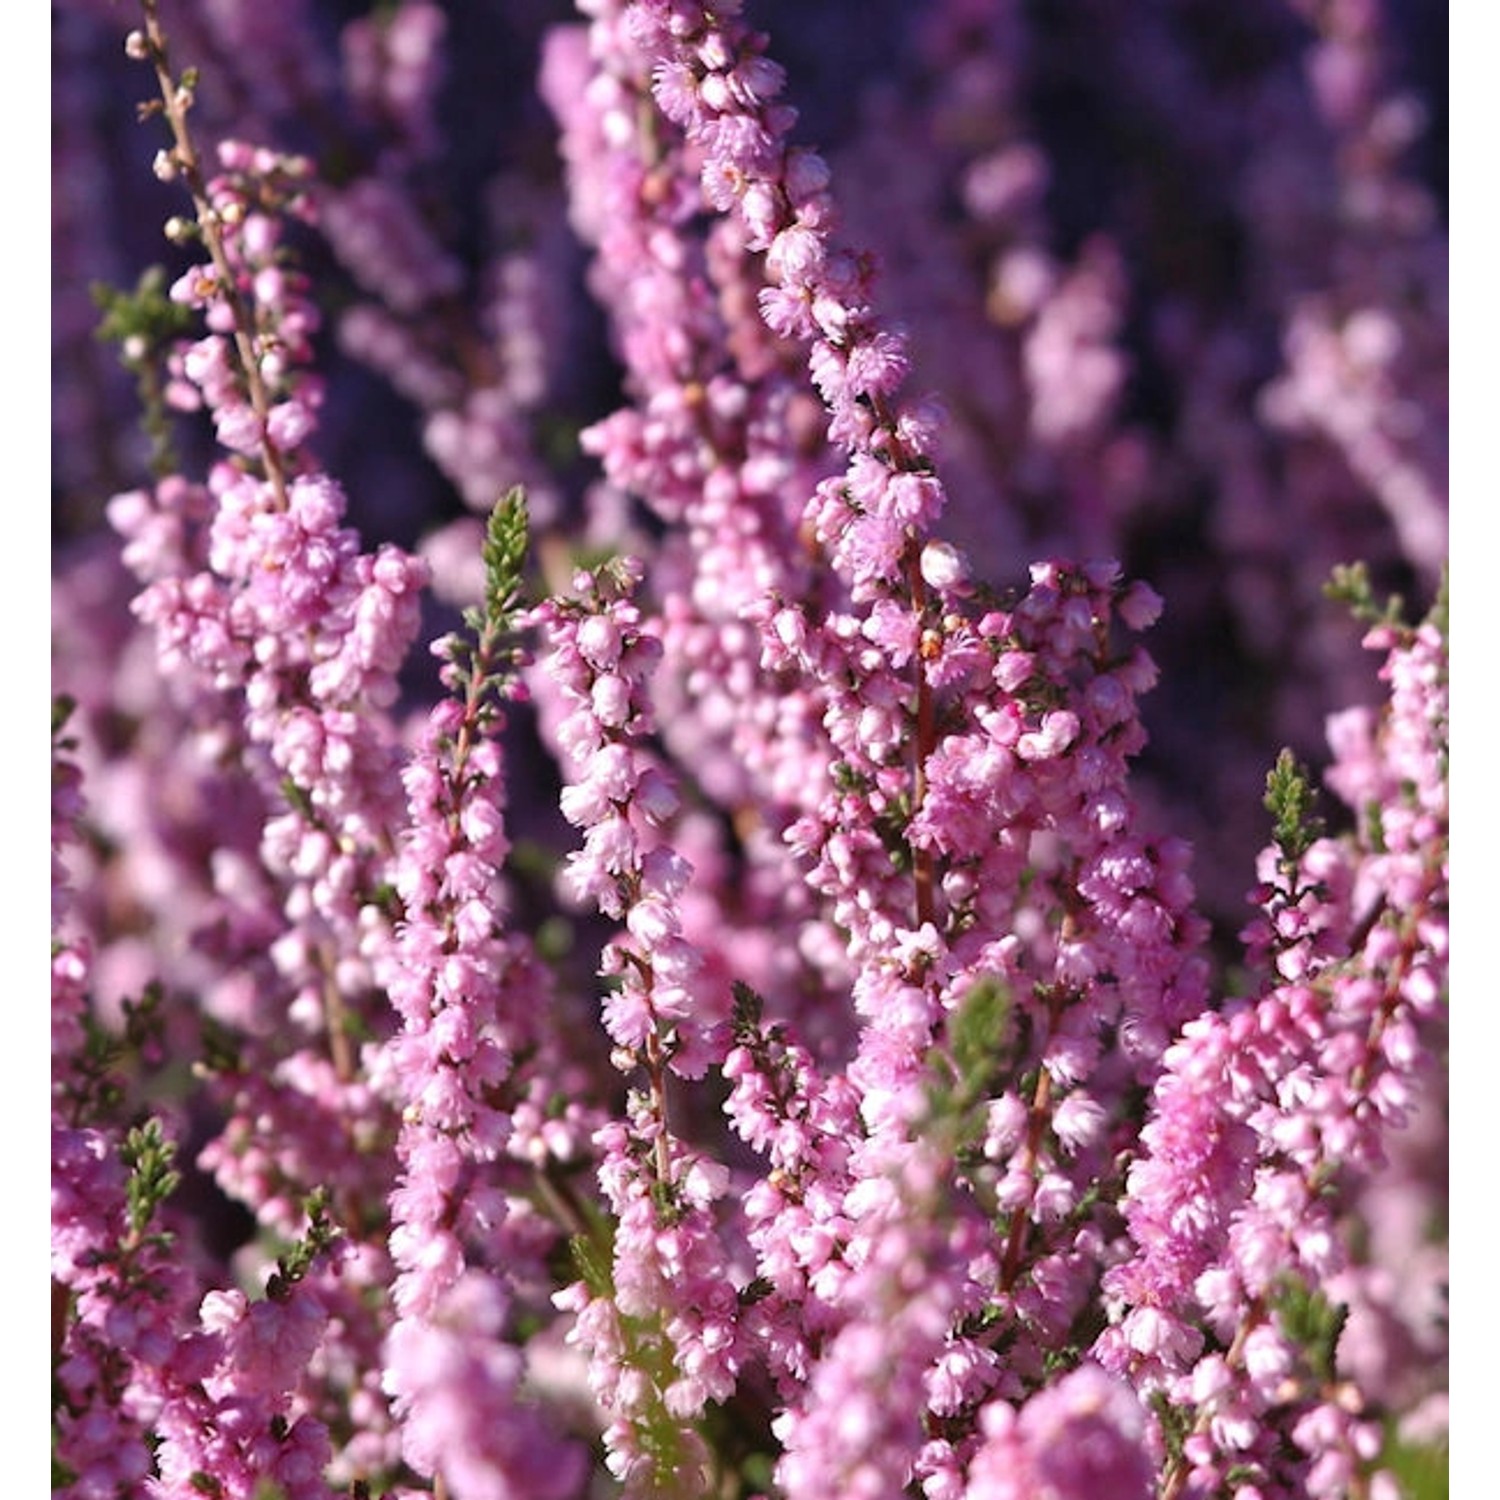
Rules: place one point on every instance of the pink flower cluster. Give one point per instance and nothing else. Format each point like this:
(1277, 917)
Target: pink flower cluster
(737, 1019)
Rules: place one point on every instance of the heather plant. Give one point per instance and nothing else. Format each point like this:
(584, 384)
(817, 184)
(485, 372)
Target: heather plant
(623, 920)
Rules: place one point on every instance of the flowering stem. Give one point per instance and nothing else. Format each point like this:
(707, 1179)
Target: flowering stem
(176, 100)
(1036, 1123)
(61, 1305)
(1177, 1474)
(335, 1018)
(656, 1072)
(926, 740)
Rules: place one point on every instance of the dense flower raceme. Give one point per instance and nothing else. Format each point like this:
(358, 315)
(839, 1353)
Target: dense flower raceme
(1274, 1101)
(476, 1072)
(738, 1026)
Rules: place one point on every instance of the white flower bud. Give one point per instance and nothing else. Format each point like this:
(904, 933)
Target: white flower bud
(943, 566)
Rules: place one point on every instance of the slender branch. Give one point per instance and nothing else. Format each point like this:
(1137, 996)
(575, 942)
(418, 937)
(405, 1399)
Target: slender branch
(177, 99)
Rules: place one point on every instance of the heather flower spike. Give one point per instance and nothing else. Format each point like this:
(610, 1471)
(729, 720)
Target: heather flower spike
(635, 911)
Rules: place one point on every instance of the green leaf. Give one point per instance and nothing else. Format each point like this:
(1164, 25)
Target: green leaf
(1175, 1424)
(321, 1232)
(1311, 1322)
(748, 1010)
(1421, 1469)
(1437, 616)
(142, 320)
(595, 1265)
(962, 1075)
(977, 1031)
(505, 546)
(1290, 800)
(148, 1157)
(1350, 585)
(63, 709)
